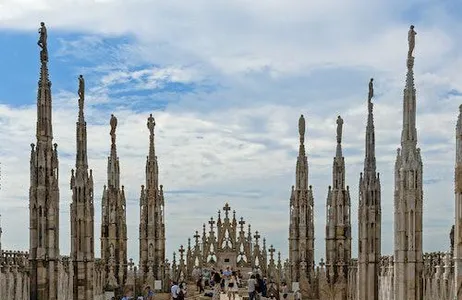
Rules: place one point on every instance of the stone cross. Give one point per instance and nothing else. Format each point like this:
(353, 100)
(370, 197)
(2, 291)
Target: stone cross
(131, 263)
(211, 222)
(197, 236)
(242, 222)
(256, 236)
(181, 250)
(271, 251)
(226, 208)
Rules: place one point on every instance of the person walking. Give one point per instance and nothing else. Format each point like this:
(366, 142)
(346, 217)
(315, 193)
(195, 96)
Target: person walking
(251, 287)
(232, 286)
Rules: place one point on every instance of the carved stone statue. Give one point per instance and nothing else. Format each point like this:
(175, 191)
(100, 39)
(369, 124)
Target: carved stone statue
(411, 39)
(81, 91)
(113, 124)
(371, 89)
(151, 251)
(112, 215)
(42, 42)
(301, 127)
(151, 124)
(81, 86)
(339, 129)
(111, 251)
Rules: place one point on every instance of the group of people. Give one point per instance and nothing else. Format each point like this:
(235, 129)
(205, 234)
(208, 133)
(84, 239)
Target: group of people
(257, 287)
(226, 281)
(178, 291)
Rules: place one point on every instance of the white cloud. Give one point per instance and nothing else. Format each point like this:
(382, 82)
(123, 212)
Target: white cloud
(272, 62)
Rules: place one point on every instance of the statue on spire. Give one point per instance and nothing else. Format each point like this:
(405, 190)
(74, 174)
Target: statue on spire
(81, 91)
(411, 39)
(339, 129)
(151, 124)
(42, 42)
(301, 128)
(113, 124)
(371, 89)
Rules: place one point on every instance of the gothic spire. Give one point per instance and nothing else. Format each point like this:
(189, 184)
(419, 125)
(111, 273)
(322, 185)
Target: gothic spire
(409, 131)
(459, 138)
(369, 159)
(152, 168)
(338, 152)
(81, 163)
(301, 175)
(82, 210)
(44, 191)
(44, 128)
(339, 163)
(113, 161)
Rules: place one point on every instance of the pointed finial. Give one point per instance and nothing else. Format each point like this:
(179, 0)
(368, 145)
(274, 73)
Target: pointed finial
(301, 128)
(339, 129)
(113, 124)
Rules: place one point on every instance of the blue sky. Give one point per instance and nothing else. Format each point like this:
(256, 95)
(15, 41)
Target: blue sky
(226, 82)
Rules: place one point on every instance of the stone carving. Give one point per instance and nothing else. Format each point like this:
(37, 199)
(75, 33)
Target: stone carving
(151, 124)
(81, 91)
(113, 124)
(42, 42)
(111, 251)
(339, 129)
(112, 216)
(151, 251)
(301, 127)
(371, 89)
(411, 40)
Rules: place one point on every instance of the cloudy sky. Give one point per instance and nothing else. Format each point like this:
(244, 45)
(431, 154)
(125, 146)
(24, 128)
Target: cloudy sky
(226, 82)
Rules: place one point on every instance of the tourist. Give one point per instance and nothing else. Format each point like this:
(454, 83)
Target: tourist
(264, 290)
(149, 293)
(251, 287)
(199, 284)
(297, 295)
(232, 287)
(128, 294)
(216, 287)
(285, 290)
(174, 291)
(182, 291)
